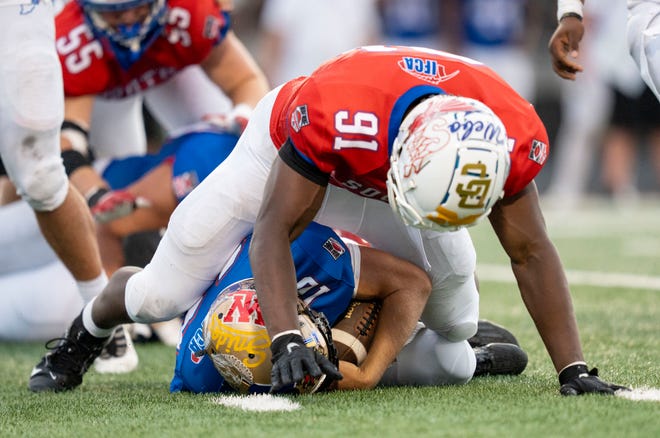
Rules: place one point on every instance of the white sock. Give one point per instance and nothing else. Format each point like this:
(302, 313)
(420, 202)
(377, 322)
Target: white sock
(90, 288)
(89, 324)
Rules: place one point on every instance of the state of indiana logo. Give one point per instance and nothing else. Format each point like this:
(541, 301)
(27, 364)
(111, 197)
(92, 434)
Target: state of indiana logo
(428, 70)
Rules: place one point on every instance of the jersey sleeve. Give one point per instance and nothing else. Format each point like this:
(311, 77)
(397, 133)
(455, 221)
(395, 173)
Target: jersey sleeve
(334, 134)
(530, 150)
(209, 23)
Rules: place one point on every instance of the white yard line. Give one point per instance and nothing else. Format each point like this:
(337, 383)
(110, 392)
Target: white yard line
(503, 274)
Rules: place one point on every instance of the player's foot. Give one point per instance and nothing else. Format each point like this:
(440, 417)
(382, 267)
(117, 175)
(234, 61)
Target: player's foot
(63, 367)
(119, 355)
(489, 332)
(500, 358)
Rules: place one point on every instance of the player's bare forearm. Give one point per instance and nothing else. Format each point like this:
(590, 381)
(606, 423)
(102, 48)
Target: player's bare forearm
(290, 202)
(274, 274)
(404, 290)
(520, 226)
(544, 290)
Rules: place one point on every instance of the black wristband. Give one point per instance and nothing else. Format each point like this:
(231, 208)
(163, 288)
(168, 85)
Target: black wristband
(96, 196)
(74, 160)
(570, 373)
(571, 14)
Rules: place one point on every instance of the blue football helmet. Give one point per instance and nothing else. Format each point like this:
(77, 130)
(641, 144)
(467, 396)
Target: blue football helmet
(128, 41)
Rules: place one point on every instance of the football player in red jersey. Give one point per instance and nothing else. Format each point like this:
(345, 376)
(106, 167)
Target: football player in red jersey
(179, 55)
(440, 138)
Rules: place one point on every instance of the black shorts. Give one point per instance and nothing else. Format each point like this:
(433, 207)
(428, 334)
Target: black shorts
(640, 113)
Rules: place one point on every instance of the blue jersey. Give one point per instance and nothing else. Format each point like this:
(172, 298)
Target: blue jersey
(194, 154)
(326, 283)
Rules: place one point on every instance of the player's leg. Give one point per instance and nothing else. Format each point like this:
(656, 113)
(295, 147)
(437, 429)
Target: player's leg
(33, 99)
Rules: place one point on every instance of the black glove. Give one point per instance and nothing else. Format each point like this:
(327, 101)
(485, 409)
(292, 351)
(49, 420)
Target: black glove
(292, 360)
(576, 380)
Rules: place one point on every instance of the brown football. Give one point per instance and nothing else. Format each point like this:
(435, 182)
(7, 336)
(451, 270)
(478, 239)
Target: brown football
(353, 334)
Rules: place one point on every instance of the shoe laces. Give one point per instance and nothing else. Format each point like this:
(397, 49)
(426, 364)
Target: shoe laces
(70, 354)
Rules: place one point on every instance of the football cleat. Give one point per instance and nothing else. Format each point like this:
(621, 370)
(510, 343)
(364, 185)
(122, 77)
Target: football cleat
(63, 367)
(118, 355)
(489, 332)
(499, 359)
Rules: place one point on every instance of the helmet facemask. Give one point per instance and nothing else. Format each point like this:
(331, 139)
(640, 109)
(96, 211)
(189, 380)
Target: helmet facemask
(128, 41)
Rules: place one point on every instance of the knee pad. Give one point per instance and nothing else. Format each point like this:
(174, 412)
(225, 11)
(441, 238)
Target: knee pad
(41, 181)
(145, 305)
(430, 359)
(453, 309)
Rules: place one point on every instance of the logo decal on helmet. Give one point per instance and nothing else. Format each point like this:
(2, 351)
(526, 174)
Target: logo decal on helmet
(449, 163)
(428, 70)
(473, 194)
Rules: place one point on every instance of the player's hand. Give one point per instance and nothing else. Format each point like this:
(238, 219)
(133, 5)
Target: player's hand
(575, 380)
(234, 122)
(108, 205)
(564, 45)
(292, 361)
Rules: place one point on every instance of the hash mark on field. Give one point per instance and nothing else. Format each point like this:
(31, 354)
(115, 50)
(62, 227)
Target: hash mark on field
(503, 274)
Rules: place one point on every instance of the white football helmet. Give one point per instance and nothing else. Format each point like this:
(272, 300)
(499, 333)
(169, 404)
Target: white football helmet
(448, 164)
(236, 339)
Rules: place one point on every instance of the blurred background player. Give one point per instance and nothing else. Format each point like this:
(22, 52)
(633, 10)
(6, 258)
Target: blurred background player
(609, 117)
(31, 114)
(643, 39)
(296, 36)
(499, 33)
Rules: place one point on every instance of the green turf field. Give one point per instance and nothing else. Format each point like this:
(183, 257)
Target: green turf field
(613, 261)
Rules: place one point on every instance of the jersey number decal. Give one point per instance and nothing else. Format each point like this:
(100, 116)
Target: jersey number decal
(179, 18)
(362, 123)
(77, 61)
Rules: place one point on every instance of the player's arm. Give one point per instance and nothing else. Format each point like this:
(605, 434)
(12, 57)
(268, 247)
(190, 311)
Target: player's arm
(232, 68)
(290, 203)
(404, 289)
(564, 42)
(74, 143)
(520, 227)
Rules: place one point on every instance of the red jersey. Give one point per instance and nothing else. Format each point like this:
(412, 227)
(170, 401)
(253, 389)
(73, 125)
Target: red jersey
(344, 117)
(192, 29)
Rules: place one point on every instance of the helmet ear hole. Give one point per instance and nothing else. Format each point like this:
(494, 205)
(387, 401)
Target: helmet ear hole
(449, 163)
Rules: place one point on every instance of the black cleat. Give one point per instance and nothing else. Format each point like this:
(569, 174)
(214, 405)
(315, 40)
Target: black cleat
(499, 358)
(63, 367)
(489, 332)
